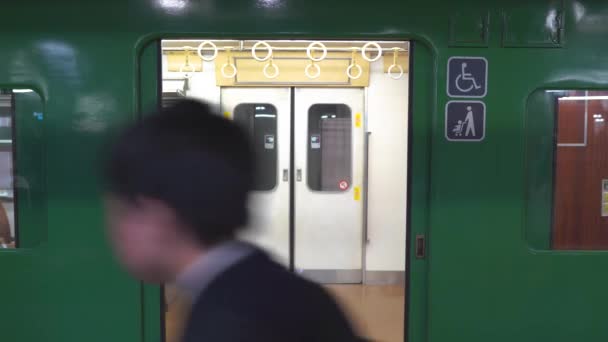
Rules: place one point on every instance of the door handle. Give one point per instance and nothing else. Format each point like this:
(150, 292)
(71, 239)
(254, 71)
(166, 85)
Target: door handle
(299, 175)
(420, 247)
(285, 175)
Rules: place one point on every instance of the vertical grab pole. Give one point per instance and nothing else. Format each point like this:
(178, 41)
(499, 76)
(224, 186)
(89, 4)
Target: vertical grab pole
(366, 186)
(365, 239)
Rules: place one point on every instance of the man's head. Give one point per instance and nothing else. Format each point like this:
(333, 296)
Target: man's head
(177, 182)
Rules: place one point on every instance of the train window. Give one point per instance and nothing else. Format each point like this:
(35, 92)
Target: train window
(260, 121)
(568, 170)
(329, 147)
(580, 213)
(22, 197)
(7, 213)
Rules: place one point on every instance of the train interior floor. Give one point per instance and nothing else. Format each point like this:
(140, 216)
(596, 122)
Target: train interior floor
(377, 311)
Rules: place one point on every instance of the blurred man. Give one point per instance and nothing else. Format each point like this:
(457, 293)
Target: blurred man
(178, 183)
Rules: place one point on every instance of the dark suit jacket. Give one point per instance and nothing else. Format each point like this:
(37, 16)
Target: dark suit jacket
(257, 300)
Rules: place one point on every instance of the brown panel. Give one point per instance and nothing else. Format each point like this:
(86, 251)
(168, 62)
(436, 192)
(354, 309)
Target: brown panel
(578, 223)
(571, 122)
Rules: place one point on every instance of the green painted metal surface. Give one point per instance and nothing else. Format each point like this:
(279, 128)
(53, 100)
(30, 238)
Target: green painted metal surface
(539, 161)
(481, 280)
(421, 64)
(149, 82)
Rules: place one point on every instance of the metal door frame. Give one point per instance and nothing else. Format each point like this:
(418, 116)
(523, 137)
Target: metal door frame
(422, 108)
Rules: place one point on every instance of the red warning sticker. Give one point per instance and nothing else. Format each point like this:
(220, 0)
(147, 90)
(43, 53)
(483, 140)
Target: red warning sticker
(343, 185)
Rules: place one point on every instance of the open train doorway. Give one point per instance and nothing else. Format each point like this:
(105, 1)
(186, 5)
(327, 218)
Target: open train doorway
(329, 126)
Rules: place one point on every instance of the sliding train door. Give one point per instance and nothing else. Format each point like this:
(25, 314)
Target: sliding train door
(265, 113)
(328, 138)
(327, 194)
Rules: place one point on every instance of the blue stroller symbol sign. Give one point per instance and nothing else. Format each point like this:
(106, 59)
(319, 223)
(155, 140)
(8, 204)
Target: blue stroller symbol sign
(465, 120)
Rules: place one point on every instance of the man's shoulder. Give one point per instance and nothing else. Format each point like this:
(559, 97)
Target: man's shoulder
(259, 275)
(260, 286)
(261, 294)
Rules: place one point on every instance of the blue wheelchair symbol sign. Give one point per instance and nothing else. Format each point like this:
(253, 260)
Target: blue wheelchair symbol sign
(467, 77)
(465, 121)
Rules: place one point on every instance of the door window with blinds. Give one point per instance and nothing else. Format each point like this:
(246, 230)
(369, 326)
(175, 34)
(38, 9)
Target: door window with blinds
(329, 147)
(260, 121)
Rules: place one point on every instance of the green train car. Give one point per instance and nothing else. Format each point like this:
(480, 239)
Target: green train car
(439, 165)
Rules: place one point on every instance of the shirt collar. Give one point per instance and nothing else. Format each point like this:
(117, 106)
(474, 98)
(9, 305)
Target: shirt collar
(198, 275)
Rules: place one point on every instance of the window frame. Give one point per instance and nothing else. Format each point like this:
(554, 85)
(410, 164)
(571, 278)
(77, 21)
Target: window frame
(540, 157)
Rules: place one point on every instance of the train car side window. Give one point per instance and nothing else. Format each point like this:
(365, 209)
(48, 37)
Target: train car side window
(329, 147)
(8, 230)
(260, 121)
(567, 170)
(580, 207)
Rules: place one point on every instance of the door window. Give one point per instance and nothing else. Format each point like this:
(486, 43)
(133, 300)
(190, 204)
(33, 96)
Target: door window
(260, 121)
(329, 147)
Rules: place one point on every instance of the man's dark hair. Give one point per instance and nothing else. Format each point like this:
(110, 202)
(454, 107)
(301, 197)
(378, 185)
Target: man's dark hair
(193, 160)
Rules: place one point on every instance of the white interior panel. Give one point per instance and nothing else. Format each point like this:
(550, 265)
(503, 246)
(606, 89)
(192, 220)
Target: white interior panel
(387, 106)
(269, 210)
(328, 233)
